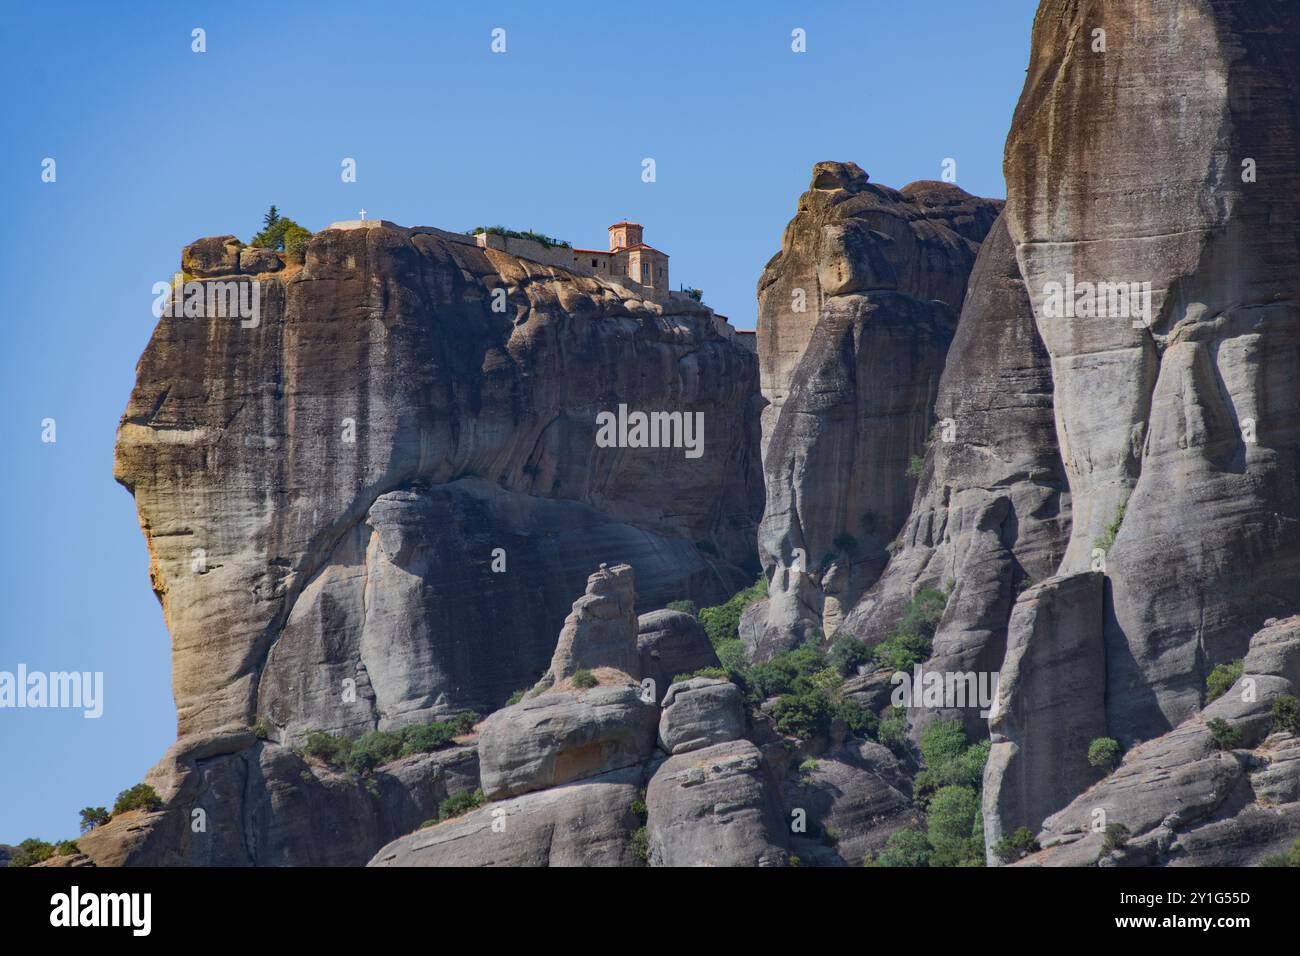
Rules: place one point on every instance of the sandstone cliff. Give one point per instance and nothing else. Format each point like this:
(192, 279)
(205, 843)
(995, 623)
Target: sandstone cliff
(856, 313)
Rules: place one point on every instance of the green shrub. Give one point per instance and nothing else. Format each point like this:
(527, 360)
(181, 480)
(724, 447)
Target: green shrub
(953, 820)
(802, 715)
(1016, 846)
(67, 848)
(1104, 752)
(787, 673)
(514, 698)
(458, 803)
(140, 797)
(1290, 858)
(905, 848)
(915, 466)
(372, 749)
(1107, 539)
(722, 623)
(260, 730)
(584, 679)
(424, 739)
(295, 241)
(328, 748)
(847, 653)
(731, 655)
(277, 230)
(809, 765)
(858, 720)
(1226, 736)
(1221, 680)
(686, 607)
(949, 761)
(641, 844)
(892, 730)
(1286, 714)
(92, 817)
(1116, 836)
(715, 672)
(911, 641)
(32, 851)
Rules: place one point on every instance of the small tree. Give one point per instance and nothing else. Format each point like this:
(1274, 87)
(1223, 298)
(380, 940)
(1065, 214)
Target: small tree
(686, 607)
(1226, 736)
(906, 848)
(271, 218)
(1221, 680)
(1286, 714)
(92, 817)
(140, 797)
(1116, 836)
(847, 653)
(1016, 846)
(1104, 752)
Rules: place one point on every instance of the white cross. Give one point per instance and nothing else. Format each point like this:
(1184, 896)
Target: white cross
(363, 215)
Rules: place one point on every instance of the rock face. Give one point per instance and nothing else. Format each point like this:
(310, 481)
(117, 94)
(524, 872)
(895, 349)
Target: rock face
(589, 823)
(564, 735)
(671, 643)
(1051, 705)
(992, 511)
(382, 479)
(1182, 799)
(1191, 419)
(700, 712)
(856, 313)
(264, 805)
(715, 807)
(601, 631)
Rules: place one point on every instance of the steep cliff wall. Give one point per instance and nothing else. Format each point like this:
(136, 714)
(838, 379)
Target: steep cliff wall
(323, 492)
(856, 313)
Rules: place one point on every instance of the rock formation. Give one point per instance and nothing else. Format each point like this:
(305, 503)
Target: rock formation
(856, 313)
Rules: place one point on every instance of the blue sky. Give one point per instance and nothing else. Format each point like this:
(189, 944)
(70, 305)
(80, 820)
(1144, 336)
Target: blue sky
(156, 145)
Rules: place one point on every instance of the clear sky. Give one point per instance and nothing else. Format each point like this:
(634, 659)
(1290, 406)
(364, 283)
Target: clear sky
(156, 145)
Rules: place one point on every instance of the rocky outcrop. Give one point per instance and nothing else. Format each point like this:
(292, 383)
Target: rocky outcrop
(991, 513)
(1051, 704)
(852, 800)
(601, 630)
(715, 807)
(390, 475)
(700, 712)
(671, 643)
(561, 736)
(587, 823)
(232, 800)
(1185, 798)
(856, 313)
(1182, 423)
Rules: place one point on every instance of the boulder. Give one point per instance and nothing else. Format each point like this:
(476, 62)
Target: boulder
(700, 712)
(715, 807)
(601, 630)
(559, 736)
(254, 260)
(1050, 705)
(589, 823)
(671, 643)
(211, 256)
